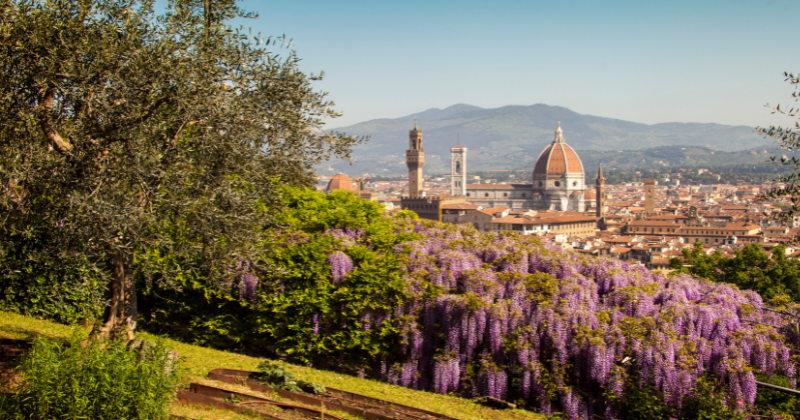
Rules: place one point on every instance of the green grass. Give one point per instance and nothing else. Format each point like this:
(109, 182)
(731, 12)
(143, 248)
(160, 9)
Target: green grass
(199, 360)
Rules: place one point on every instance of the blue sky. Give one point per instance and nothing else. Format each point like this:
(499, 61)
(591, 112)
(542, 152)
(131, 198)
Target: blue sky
(643, 61)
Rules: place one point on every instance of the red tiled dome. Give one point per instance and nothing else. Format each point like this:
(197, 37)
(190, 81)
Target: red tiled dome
(340, 182)
(558, 158)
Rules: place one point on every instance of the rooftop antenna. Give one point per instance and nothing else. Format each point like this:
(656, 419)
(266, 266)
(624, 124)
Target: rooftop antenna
(458, 139)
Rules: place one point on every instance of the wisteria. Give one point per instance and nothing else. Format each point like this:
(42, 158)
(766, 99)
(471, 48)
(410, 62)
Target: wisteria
(241, 275)
(341, 264)
(518, 318)
(347, 237)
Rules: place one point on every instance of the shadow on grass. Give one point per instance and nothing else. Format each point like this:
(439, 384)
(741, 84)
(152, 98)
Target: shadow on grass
(22, 333)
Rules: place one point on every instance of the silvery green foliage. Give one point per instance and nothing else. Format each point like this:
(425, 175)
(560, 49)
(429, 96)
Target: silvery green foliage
(124, 131)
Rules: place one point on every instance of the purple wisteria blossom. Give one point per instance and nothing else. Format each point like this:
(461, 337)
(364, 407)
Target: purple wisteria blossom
(340, 264)
(519, 317)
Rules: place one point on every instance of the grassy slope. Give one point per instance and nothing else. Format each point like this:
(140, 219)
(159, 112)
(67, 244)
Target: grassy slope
(198, 361)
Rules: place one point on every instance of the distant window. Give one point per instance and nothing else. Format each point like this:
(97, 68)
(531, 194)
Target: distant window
(558, 184)
(467, 194)
(505, 194)
(575, 184)
(523, 194)
(486, 194)
(540, 183)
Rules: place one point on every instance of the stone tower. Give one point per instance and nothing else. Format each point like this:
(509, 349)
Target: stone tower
(649, 197)
(600, 191)
(415, 160)
(458, 171)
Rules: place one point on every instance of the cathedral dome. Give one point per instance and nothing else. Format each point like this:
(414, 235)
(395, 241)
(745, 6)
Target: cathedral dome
(340, 182)
(558, 158)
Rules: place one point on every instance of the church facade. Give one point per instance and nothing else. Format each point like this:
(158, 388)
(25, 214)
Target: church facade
(557, 182)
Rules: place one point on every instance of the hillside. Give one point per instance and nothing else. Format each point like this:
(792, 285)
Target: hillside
(199, 360)
(677, 156)
(448, 310)
(513, 137)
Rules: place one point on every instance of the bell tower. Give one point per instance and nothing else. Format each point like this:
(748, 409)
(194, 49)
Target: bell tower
(415, 160)
(600, 192)
(458, 171)
(649, 200)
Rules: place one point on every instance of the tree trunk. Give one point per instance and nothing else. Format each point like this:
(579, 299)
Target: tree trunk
(119, 318)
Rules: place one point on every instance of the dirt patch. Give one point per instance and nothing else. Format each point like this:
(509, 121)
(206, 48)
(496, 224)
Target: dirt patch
(10, 352)
(386, 409)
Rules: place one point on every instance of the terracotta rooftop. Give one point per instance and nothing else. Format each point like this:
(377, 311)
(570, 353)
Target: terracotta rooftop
(340, 182)
(493, 210)
(496, 186)
(558, 158)
(461, 206)
(653, 223)
(567, 219)
(514, 220)
(621, 239)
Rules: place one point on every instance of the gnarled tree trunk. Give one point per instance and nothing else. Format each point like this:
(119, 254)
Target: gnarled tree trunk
(119, 318)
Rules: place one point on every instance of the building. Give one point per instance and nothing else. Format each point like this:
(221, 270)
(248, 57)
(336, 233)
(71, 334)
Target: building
(570, 226)
(458, 171)
(600, 199)
(415, 160)
(708, 235)
(428, 207)
(649, 197)
(340, 182)
(557, 183)
(451, 213)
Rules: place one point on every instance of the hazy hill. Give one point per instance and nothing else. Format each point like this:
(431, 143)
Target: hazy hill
(680, 156)
(513, 136)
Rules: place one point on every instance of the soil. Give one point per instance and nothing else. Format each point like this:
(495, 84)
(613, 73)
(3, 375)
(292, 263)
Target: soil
(8, 375)
(375, 406)
(10, 350)
(284, 413)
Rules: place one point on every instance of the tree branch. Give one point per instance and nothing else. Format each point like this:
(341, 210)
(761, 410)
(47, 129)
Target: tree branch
(46, 105)
(133, 121)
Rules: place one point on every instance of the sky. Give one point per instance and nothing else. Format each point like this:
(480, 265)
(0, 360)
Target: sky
(643, 61)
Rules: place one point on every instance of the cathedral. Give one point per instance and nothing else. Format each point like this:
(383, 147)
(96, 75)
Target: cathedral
(557, 182)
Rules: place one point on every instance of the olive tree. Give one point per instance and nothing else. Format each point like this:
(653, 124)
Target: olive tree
(789, 139)
(122, 131)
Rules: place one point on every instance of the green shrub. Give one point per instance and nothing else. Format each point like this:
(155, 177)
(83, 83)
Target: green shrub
(274, 375)
(64, 288)
(101, 380)
(296, 313)
(708, 402)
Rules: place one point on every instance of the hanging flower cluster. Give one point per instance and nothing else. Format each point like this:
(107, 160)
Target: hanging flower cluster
(242, 278)
(347, 237)
(341, 264)
(522, 319)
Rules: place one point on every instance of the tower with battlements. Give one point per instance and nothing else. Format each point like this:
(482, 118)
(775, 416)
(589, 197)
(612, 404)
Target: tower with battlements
(415, 160)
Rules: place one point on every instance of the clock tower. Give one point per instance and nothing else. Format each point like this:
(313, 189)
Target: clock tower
(415, 160)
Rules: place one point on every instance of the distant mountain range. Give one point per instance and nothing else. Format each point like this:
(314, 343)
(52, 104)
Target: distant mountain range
(511, 137)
